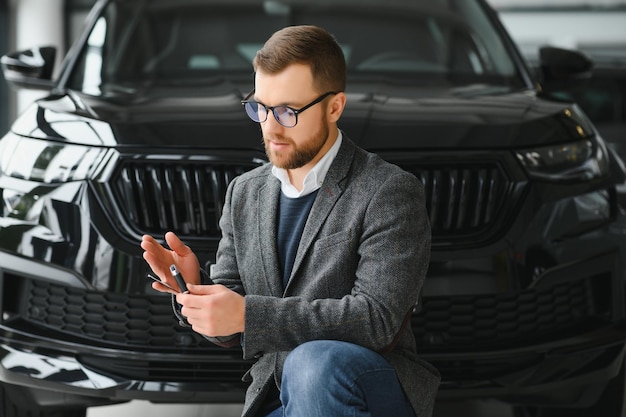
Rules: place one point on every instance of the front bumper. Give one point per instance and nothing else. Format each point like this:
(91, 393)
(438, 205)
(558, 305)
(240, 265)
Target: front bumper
(92, 373)
(560, 368)
(553, 374)
(571, 373)
(557, 342)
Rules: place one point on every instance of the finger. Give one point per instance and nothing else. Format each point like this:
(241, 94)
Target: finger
(205, 289)
(157, 264)
(192, 301)
(184, 300)
(154, 253)
(177, 245)
(150, 243)
(162, 288)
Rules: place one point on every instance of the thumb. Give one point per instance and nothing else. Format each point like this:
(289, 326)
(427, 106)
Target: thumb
(204, 289)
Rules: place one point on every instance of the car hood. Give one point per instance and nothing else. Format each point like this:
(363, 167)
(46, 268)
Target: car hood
(417, 119)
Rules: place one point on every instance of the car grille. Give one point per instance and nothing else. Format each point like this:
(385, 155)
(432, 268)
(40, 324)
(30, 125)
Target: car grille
(512, 319)
(186, 197)
(147, 322)
(463, 201)
(107, 318)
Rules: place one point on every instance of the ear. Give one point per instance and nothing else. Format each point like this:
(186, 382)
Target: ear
(336, 106)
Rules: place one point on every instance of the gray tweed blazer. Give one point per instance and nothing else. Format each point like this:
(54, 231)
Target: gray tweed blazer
(359, 268)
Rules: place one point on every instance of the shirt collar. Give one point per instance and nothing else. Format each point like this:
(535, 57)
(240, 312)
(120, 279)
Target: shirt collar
(314, 179)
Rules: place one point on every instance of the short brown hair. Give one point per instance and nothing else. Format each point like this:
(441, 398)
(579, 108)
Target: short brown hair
(309, 45)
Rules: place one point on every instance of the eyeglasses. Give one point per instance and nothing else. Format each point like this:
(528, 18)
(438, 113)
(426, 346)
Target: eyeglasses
(285, 115)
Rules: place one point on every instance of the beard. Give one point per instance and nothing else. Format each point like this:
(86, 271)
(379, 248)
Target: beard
(299, 155)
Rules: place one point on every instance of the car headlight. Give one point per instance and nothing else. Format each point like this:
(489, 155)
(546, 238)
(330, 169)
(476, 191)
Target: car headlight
(576, 161)
(46, 161)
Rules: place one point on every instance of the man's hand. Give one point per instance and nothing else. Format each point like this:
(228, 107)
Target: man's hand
(159, 259)
(213, 310)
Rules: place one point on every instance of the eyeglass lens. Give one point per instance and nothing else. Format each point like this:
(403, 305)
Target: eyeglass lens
(283, 114)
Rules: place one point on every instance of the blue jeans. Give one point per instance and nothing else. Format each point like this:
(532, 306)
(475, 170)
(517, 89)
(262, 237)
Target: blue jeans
(339, 379)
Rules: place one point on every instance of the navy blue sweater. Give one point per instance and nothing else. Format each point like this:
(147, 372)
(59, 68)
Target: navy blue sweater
(292, 216)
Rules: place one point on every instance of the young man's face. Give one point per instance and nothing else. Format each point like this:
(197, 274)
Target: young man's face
(315, 132)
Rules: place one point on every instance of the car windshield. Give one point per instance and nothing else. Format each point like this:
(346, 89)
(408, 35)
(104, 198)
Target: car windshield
(142, 43)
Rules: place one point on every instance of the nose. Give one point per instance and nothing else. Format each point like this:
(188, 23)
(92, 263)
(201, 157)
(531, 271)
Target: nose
(271, 124)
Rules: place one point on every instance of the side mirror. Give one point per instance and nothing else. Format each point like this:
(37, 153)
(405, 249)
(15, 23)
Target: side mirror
(31, 68)
(563, 70)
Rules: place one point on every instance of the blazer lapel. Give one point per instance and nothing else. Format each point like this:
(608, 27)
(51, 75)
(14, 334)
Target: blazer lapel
(329, 193)
(267, 216)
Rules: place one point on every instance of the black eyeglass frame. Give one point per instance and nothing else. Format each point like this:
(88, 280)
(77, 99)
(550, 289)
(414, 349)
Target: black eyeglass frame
(273, 108)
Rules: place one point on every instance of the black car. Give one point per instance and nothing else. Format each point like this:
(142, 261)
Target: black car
(143, 130)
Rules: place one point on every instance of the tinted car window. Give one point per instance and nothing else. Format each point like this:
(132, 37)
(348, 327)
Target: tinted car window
(192, 44)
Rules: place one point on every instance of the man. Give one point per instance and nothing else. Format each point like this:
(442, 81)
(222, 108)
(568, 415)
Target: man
(322, 256)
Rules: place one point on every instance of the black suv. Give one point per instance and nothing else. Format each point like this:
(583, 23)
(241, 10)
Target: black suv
(143, 130)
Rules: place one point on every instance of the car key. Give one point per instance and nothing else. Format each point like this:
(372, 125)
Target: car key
(179, 278)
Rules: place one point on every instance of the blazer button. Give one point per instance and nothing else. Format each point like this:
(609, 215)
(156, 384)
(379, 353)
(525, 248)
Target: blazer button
(258, 355)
